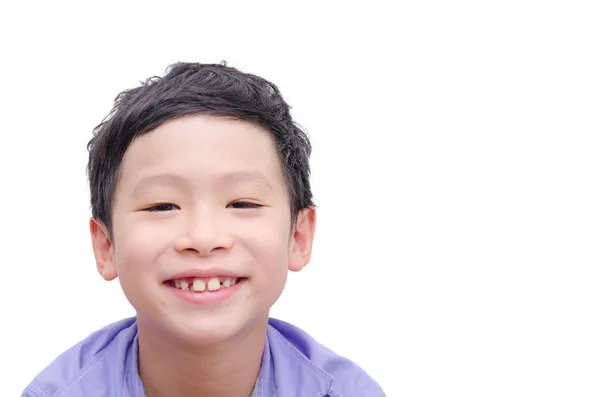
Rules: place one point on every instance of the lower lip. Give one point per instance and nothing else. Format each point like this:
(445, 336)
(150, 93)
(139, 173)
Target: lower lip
(206, 297)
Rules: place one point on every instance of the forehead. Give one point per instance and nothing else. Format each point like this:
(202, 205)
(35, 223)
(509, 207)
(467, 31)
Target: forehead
(202, 149)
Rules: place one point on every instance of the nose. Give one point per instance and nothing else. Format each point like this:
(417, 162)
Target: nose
(203, 233)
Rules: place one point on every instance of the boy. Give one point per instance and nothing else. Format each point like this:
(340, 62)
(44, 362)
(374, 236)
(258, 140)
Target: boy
(201, 203)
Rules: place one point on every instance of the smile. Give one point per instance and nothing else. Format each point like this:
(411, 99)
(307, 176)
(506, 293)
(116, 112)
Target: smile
(204, 284)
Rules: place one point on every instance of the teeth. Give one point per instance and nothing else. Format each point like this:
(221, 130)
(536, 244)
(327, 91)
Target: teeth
(214, 284)
(198, 285)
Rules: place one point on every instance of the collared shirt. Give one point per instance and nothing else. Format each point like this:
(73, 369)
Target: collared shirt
(293, 365)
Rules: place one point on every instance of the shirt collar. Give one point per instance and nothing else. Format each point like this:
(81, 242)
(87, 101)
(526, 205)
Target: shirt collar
(284, 371)
(293, 374)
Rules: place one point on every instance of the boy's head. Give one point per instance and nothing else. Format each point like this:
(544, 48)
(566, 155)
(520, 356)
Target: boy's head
(200, 179)
(188, 89)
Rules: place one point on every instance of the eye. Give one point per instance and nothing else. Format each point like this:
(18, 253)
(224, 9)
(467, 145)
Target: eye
(162, 207)
(244, 205)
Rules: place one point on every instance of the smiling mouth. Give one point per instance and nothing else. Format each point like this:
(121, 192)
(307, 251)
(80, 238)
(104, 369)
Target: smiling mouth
(200, 285)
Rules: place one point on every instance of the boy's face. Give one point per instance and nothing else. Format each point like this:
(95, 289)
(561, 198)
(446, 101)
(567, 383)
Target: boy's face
(202, 194)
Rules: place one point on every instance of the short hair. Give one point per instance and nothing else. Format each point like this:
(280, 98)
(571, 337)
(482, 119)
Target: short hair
(190, 89)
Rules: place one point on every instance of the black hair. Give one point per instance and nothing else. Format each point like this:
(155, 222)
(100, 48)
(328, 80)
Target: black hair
(188, 89)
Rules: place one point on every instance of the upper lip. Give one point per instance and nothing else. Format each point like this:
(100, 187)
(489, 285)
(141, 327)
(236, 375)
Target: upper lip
(205, 273)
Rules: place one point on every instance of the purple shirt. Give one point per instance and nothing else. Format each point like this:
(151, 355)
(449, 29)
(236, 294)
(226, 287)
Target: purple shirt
(293, 365)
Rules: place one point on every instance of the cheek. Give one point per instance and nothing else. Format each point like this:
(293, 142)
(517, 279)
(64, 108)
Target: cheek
(140, 246)
(271, 250)
(269, 254)
(268, 239)
(269, 247)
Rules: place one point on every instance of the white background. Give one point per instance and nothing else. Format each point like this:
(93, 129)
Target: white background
(456, 169)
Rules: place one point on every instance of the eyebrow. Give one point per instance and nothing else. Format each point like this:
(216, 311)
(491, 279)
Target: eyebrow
(233, 178)
(166, 179)
(229, 178)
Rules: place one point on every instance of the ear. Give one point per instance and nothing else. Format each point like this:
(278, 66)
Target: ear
(301, 241)
(103, 250)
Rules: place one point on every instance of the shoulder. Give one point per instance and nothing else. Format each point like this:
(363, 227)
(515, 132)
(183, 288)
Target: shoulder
(87, 363)
(348, 379)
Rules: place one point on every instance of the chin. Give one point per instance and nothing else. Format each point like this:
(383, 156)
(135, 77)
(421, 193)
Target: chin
(203, 326)
(215, 330)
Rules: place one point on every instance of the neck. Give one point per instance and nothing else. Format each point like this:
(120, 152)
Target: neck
(169, 369)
